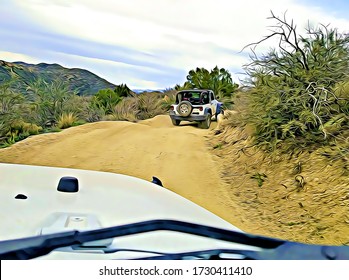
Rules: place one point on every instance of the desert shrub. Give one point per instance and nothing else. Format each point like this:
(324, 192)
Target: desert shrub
(167, 99)
(78, 105)
(140, 107)
(25, 129)
(49, 100)
(238, 115)
(66, 120)
(298, 92)
(126, 110)
(107, 99)
(19, 130)
(11, 104)
(93, 114)
(148, 105)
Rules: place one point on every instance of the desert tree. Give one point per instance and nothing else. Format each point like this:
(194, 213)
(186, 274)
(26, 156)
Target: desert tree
(293, 87)
(218, 79)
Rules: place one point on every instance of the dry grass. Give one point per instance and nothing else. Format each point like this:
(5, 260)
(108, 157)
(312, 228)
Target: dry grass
(140, 107)
(66, 120)
(302, 197)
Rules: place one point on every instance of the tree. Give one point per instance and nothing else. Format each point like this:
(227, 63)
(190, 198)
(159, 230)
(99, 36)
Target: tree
(218, 80)
(107, 99)
(123, 90)
(292, 87)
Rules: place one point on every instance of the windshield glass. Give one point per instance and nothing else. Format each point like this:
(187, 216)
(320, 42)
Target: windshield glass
(193, 97)
(115, 113)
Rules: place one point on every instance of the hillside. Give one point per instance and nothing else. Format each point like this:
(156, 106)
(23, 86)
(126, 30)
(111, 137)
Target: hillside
(80, 80)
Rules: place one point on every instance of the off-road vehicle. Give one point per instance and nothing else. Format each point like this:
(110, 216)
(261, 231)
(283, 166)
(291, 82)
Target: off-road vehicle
(195, 105)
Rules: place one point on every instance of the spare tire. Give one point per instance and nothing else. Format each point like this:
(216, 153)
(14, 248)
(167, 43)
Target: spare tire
(184, 108)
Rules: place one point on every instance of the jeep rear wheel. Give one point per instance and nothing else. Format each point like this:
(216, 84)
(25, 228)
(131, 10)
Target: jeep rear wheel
(184, 108)
(206, 123)
(175, 122)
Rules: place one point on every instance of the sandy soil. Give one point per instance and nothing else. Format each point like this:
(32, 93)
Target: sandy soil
(177, 155)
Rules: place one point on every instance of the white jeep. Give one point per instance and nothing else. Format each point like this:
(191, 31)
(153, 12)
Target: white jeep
(195, 105)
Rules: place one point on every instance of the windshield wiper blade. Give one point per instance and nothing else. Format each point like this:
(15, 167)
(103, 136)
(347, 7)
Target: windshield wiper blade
(31, 247)
(286, 251)
(213, 254)
(36, 246)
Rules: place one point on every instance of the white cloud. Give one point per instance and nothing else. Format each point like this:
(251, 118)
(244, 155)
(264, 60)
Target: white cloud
(181, 34)
(9, 56)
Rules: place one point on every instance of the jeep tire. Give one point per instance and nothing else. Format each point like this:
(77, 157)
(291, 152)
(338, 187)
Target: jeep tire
(184, 108)
(206, 123)
(175, 122)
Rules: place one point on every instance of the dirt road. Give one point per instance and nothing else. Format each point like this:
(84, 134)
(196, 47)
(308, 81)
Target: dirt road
(177, 155)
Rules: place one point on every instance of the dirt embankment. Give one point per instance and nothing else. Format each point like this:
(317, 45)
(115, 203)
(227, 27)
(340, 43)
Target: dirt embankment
(303, 197)
(221, 173)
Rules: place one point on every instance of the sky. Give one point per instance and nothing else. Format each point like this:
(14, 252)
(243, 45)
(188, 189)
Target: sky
(151, 44)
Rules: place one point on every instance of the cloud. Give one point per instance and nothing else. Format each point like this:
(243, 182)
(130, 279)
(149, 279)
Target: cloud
(11, 56)
(163, 39)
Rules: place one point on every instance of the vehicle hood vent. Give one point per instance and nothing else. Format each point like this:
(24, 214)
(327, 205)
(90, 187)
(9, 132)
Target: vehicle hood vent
(68, 184)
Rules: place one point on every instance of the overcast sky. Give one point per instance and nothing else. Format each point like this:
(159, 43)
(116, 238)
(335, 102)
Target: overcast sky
(149, 43)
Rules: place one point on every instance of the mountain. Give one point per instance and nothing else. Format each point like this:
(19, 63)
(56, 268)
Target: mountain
(82, 81)
(147, 90)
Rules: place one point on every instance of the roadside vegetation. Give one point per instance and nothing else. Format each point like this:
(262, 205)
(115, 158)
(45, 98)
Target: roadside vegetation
(296, 97)
(285, 144)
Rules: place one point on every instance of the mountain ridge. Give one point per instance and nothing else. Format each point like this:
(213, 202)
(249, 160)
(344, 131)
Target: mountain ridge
(82, 81)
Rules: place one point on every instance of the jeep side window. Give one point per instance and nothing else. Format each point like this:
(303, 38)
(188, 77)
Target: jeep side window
(211, 96)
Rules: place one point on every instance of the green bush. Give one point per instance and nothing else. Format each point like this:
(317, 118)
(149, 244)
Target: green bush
(299, 92)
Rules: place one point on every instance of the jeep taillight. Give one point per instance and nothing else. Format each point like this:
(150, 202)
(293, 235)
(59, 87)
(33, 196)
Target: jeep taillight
(200, 108)
(172, 108)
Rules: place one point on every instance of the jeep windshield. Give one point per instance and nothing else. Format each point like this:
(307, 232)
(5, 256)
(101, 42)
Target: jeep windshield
(194, 97)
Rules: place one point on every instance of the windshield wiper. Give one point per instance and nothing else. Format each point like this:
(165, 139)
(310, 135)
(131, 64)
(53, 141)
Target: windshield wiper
(286, 251)
(36, 246)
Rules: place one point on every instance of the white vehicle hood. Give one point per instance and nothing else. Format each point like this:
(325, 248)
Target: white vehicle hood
(103, 200)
